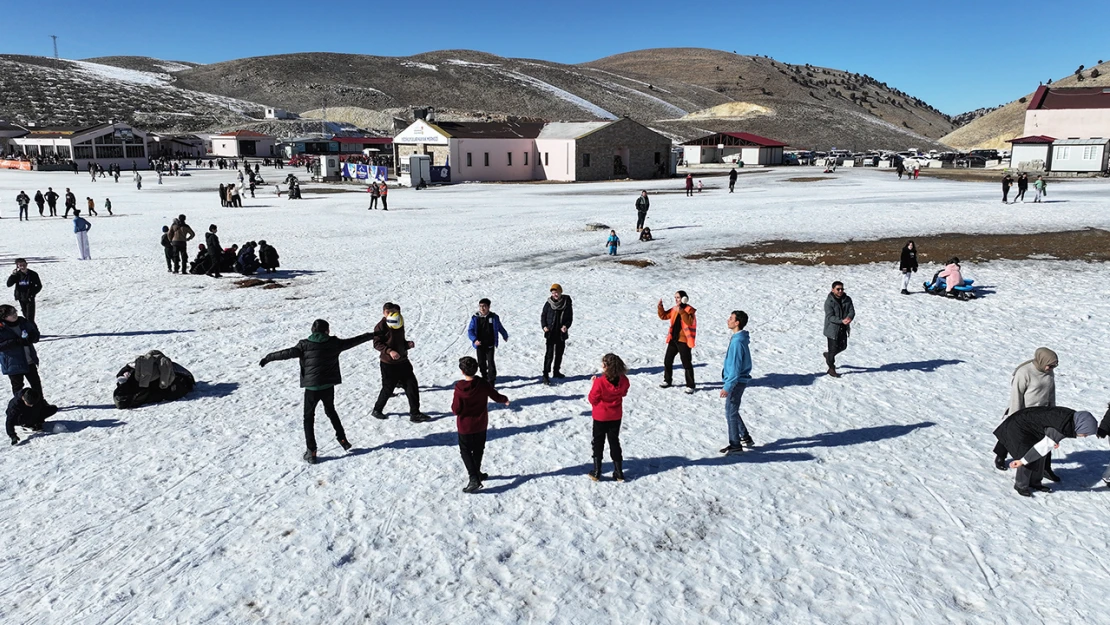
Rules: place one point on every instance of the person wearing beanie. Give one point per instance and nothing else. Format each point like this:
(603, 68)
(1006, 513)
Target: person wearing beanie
(1031, 433)
(319, 359)
(555, 319)
(389, 339)
(484, 329)
(470, 406)
(1032, 384)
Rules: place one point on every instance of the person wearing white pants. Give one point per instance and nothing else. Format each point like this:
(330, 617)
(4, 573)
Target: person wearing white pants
(907, 265)
(81, 228)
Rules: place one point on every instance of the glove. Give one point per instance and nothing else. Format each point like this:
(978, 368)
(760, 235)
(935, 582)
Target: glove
(262, 363)
(15, 440)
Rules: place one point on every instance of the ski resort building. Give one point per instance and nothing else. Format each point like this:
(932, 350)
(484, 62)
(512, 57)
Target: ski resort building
(1080, 156)
(103, 144)
(732, 147)
(242, 143)
(175, 146)
(522, 151)
(1071, 112)
(1031, 153)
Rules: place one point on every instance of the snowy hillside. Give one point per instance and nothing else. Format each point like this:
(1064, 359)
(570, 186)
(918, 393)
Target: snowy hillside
(871, 498)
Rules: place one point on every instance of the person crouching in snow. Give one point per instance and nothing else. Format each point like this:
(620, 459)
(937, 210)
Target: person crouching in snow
(1031, 433)
(268, 257)
(28, 410)
(319, 358)
(472, 419)
(607, 399)
(613, 242)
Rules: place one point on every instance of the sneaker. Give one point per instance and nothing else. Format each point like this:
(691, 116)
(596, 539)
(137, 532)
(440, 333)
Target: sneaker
(1040, 488)
(1051, 476)
(905, 292)
(688, 391)
(1000, 463)
(734, 451)
(558, 374)
(309, 457)
(1024, 492)
(419, 417)
(378, 414)
(726, 449)
(344, 444)
(665, 385)
(546, 380)
(746, 441)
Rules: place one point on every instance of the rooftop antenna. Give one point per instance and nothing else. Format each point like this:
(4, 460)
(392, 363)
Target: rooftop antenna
(324, 124)
(55, 38)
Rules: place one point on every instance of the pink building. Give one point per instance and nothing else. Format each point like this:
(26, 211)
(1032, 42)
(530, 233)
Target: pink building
(1075, 112)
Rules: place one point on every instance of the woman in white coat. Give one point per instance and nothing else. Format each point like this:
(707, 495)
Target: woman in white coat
(1033, 384)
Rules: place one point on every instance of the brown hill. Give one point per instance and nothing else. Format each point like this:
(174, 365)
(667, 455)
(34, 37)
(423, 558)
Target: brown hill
(1008, 122)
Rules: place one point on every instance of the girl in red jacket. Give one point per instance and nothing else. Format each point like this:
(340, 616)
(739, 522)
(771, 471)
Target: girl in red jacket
(606, 397)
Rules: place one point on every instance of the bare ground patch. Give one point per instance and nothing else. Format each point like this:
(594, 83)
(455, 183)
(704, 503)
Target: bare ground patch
(637, 262)
(1090, 244)
(810, 178)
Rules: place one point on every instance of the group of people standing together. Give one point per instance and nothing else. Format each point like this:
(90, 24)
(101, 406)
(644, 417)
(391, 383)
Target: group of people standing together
(50, 198)
(212, 258)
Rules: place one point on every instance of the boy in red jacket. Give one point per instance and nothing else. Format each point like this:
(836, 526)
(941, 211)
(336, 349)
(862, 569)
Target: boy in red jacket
(471, 409)
(607, 399)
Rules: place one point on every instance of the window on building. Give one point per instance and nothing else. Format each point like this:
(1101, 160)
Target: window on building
(469, 160)
(31, 150)
(658, 155)
(1063, 152)
(1090, 152)
(525, 159)
(82, 151)
(545, 161)
(109, 151)
(585, 160)
(63, 151)
(487, 159)
(47, 150)
(135, 151)
(510, 155)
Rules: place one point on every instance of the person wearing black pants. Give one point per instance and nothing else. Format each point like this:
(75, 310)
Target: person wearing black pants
(839, 314)
(389, 339)
(1023, 186)
(394, 375)
(27, 286)
(320, 373)
(555, 319)
(484, 331)
(642, 206)
(681, 338)
(167, 248)
(469, 405)
(18, 359)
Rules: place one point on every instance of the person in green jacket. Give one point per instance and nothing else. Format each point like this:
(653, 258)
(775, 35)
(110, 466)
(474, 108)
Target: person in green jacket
(1039, 185)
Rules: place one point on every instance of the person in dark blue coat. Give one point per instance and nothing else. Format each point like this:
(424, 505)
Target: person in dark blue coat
(247, 262)
(18, 359)
(483, 332)
(29, 410)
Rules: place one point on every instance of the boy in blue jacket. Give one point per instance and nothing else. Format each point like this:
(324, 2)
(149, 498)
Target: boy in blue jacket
(736, 374)
(613, 242)
(485, 327)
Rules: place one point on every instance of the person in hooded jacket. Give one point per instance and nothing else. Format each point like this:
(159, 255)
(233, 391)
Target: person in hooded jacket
(28, 410)
(607, 409)
(214, 252)
(469, 405)
(907, 265)
(247, 262)
(484, 329)
(736, 375)
(23, 201)
(555, 319)
(320, 374)
(952, 274)
(1007, 181)
(18, 358)
(167, 250)
(1032, 384)
(268, 257)
(1031, 433)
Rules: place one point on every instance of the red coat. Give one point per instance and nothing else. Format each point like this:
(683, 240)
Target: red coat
(471, 405)
(607, 399)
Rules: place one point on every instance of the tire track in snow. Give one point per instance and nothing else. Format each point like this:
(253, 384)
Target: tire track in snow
(988, 574)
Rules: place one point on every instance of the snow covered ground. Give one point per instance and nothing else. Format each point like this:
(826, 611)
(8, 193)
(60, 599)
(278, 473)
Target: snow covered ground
(871, 500)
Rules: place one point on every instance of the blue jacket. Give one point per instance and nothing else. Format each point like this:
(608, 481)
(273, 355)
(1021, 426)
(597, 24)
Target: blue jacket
(738, 361)
(80, 224)
(17, 355)
(613, 241)
(472, 330)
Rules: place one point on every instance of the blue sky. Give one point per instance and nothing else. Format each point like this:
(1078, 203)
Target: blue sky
(956, 56)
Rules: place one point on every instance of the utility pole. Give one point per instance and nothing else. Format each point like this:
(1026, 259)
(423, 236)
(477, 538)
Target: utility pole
(324, 124)
(55, 38)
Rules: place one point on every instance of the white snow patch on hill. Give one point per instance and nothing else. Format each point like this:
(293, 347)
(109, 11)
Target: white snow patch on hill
(110, 72)
(562, 94)
(427, 66)
(172, 67)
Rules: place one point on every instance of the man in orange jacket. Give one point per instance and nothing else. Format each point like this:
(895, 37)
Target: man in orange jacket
(681, 338)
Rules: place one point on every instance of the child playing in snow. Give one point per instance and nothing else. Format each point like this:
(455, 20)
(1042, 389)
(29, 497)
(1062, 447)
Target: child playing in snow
(108, 204)
(645, 234)
(700, 186)
(472, 419)
(92, 205)
(613, 243)
(607, 397)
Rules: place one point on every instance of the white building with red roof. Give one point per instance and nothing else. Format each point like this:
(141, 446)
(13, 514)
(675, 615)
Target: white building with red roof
(733, 146)
(243, 143)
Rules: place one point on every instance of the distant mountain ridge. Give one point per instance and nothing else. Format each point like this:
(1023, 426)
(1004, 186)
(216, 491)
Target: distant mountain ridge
(683, 92)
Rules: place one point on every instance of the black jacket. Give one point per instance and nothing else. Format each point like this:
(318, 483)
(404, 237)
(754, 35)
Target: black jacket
(553, 319)
(212, 245)
(26, 416)
(38, 198)
(71, 200)
(909, 260)
(732, 176)
(1029, 426)
(51, 197)
(319, 361)
(643, 203)
(268, 256)
(27, 285)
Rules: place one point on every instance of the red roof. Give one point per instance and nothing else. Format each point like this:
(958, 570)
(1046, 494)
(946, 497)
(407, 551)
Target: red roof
(1032, 139)
(1047, 98)
(738, 138)
(245, 133)
(364, 140)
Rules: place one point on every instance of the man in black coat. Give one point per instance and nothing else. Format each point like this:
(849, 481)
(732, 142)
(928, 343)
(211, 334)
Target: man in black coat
(27, 286)
(555, 319)
(39, 201)
(71, 203)
(51, 201)
(642, 206)
(214, 252)
(27, 409)
(319, 357)
(732, 180)
(1031, 433)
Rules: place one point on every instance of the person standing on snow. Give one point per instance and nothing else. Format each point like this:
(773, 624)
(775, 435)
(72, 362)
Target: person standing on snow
(555, 319)
(484, 329)
(51, 201)
(613, 242)
(214, 252)
(18, 359)
(642, 206)
(736, 375)
(681, 337)
(39, 201)
(1031, 433)
(320, 374)
(607, 409)
(92, 206)
(23, 201)
(1033, 384)
(1039, 185)
(389, 339)
(71, 203)
(27, 286)
(81, 227)
(471, 410)
(907, 265)
(732, 180)
(1006, 182)
(689, 185)
(383, 190)
(167, 248)
(375, 193)
(180, 235)
(839, 315)
(1023, 186)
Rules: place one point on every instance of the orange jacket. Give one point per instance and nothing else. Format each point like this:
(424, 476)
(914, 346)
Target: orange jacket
(689, 321)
